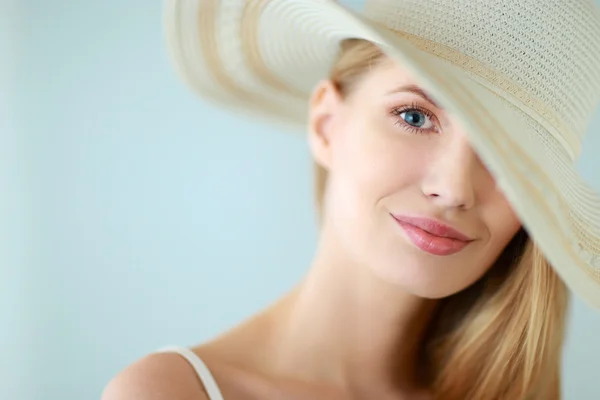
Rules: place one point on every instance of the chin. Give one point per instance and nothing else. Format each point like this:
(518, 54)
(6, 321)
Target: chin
(422, 280)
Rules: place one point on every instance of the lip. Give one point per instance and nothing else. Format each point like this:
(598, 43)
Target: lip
(432, 236)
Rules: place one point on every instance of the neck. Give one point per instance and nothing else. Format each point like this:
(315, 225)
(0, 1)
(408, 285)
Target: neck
(346, 326)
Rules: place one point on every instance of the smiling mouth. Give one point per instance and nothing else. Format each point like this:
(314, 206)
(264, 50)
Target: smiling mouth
(433, 237)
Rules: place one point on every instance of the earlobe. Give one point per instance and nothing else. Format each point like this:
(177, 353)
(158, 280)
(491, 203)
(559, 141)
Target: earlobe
(323, 106)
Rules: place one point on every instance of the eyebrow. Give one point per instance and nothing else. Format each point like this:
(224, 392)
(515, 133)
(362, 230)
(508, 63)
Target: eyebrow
(418, 91)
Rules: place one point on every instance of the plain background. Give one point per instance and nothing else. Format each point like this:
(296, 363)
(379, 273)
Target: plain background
(134, 216)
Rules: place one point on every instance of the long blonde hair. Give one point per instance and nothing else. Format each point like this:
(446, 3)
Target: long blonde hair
(502, 337)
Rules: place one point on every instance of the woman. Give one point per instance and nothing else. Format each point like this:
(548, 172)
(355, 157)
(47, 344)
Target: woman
(444, 134)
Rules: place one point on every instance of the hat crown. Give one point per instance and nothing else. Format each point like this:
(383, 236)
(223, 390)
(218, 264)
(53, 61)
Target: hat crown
(545, 54)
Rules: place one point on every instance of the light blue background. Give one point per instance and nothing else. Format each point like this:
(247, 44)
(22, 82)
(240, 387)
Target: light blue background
(133, 216)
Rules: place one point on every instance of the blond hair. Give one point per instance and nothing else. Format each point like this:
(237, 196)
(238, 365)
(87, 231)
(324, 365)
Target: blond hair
(502, 337)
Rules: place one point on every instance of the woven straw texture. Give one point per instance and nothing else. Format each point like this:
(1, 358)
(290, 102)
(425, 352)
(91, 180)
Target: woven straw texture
(523, 75)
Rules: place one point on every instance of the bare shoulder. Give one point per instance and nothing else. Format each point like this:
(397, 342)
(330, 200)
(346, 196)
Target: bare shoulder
(161, 376)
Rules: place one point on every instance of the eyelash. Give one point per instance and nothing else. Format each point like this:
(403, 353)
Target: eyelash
(414, 107)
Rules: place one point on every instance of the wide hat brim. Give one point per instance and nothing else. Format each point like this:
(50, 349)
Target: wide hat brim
(263, 58)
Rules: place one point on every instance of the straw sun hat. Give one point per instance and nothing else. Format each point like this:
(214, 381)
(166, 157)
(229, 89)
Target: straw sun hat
(522, 76)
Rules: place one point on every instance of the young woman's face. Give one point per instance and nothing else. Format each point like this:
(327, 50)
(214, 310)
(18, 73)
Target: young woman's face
(406, 194)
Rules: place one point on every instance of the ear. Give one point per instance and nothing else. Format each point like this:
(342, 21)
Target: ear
(324, 108)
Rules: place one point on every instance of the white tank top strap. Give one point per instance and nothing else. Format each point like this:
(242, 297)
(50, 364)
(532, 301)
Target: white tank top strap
(204, 374)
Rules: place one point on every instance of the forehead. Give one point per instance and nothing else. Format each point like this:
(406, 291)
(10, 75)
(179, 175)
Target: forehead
(386, 74)
(388, 77)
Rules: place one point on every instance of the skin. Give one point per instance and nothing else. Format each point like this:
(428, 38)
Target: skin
(349, 330)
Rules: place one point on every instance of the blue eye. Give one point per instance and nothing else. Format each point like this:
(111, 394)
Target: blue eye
(415, 118)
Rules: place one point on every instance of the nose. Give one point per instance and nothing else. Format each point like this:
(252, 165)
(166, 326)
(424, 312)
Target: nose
(450, 179)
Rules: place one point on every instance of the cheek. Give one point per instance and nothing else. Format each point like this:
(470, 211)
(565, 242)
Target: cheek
(502, 224)
(371, 162)
(370, 167)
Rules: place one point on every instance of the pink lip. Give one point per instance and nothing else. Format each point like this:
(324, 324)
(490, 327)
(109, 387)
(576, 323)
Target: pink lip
(433, 237)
